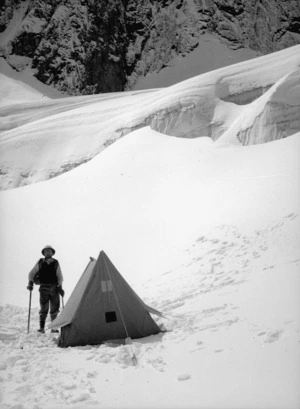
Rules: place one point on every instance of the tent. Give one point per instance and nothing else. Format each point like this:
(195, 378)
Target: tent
(103, 307)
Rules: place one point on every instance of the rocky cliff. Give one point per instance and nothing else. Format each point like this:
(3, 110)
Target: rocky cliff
(88, 47)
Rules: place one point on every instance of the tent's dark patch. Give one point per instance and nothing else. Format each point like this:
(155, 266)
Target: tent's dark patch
(110, 316)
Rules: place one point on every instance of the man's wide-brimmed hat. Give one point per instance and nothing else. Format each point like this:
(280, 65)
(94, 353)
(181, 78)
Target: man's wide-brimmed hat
(48, 247)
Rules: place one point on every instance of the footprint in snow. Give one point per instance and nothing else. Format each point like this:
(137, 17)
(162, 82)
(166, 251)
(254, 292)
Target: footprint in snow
(81, 398)
(291, 216)
(184, 377)
(273, 336)
(157, 363)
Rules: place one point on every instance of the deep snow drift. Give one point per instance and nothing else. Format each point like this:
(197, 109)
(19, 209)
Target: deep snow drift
(207, 232)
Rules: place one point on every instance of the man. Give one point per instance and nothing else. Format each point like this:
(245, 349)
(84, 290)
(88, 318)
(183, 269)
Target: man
(48, 275)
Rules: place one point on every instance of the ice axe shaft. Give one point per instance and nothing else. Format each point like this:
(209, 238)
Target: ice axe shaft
(29, 310)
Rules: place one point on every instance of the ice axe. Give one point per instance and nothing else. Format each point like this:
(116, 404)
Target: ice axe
(29, 310)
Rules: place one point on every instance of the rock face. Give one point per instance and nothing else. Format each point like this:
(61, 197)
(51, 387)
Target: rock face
(89, 47)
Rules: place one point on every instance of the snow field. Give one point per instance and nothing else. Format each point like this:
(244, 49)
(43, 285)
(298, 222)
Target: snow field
(231, 307)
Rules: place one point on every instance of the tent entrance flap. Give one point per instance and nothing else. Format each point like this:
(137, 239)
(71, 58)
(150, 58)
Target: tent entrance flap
(68, 313)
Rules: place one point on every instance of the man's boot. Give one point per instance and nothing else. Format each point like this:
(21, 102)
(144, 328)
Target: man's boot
(42, 327)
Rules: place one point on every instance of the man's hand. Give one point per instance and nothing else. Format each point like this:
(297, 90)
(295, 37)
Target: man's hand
(30, 286)
(61, 291)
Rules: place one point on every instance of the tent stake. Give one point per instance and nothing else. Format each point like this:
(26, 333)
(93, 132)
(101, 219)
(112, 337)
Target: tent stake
(133, 356)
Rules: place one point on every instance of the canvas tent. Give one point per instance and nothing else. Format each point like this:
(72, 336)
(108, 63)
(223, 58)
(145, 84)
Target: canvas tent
(103, 307)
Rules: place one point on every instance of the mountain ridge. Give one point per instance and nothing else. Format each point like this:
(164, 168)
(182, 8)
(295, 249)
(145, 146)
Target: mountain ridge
(83, 47)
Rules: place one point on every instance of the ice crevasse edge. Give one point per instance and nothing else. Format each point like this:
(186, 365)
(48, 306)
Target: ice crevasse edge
(256, 101)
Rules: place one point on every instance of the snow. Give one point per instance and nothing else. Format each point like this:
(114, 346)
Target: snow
(80, 128)
(206, 232)
(209, 55)
(15, 24)
(22, 87)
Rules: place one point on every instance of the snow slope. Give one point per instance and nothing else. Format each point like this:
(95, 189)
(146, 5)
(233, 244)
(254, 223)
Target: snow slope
(207, 232)
(209, 55)
(208, 235)
(24, 79)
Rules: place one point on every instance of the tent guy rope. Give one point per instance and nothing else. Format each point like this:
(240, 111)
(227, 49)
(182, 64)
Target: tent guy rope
(128, 339)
